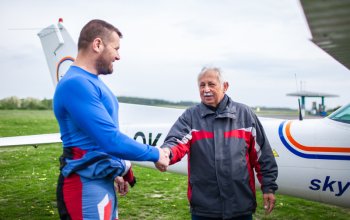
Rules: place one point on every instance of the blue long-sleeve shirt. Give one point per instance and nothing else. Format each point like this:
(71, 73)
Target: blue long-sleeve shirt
(87, 113)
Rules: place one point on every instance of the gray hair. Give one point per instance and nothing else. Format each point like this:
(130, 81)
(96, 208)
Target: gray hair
(215, 69)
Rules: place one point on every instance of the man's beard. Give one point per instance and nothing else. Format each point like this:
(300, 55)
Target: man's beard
(102, 66)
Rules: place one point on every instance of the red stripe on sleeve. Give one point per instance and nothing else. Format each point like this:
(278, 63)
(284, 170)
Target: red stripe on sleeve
(181, 149)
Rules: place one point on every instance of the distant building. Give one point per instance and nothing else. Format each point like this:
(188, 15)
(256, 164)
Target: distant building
(303, 94)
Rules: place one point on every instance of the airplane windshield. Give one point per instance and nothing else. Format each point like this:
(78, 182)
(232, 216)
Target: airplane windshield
(342, 114)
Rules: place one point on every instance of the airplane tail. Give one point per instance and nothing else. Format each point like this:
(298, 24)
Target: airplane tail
(59, 48)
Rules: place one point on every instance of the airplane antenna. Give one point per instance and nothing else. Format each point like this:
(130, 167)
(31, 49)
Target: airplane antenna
(60, 20)
(300, 115)
(296, 81)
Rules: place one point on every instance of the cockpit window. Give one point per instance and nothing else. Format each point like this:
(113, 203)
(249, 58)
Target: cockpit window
(342, 114)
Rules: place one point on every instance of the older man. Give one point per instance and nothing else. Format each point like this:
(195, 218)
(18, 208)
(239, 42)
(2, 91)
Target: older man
(225, 143)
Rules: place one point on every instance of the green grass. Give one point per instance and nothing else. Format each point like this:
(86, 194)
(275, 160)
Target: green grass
(27, 122)
(28, 179)
(28, 182)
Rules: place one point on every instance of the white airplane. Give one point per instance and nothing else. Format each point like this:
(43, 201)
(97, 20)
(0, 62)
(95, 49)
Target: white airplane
(313, 156)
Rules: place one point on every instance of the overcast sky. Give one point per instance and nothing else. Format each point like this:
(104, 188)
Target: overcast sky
(262, 46)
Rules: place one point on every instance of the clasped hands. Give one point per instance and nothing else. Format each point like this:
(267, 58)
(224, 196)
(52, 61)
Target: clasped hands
(162, 164)
(164, 159)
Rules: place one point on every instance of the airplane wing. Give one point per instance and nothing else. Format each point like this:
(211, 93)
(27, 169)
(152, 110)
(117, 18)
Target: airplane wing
(329, 25)
(30, 140)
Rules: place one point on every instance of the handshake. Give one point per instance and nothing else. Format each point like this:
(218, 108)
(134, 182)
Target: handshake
(164, 159)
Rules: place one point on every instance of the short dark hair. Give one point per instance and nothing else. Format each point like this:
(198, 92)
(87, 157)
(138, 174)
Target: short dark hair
(93, 29)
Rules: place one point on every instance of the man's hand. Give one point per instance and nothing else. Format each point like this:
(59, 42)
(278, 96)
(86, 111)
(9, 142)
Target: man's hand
(121, 186)
(164, 160)
(269, 202)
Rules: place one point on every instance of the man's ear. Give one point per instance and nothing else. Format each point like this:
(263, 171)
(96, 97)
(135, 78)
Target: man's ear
(225, 86)
(97, 45)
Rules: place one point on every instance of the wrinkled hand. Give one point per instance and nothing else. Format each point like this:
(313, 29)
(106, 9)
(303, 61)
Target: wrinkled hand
(121, 186)
(269, 202)
(164, 160)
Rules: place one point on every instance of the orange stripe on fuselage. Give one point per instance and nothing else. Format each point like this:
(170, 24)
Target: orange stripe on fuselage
(313, 148)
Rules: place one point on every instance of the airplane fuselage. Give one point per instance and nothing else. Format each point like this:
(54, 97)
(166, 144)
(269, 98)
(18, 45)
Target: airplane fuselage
(313, 158)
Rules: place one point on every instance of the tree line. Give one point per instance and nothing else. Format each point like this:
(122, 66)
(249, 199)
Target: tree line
(14, 102)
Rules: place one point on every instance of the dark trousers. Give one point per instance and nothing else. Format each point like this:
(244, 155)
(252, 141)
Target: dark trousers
(244, 217)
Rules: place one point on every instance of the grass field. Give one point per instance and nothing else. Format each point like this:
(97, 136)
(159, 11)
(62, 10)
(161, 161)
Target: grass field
(28, 182)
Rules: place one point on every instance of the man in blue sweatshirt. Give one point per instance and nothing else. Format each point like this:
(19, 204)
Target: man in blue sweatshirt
(95, 153)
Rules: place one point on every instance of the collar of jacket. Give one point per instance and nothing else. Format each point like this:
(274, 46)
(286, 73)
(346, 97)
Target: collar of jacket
(226, 109)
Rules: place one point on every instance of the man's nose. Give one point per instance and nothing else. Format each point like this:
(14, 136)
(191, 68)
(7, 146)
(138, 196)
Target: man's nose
(117, 57)
(206, 88)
